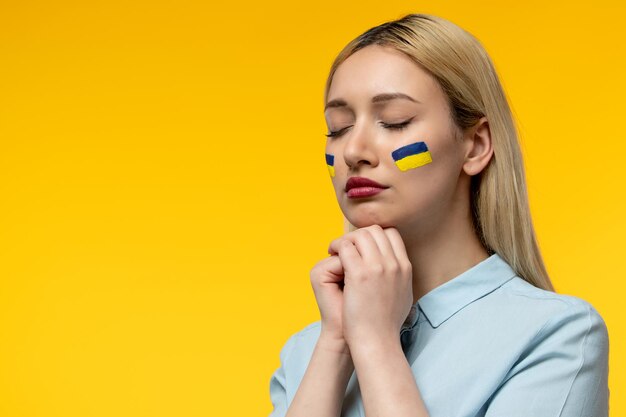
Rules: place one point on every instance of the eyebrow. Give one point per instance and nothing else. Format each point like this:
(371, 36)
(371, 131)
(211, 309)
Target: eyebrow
(338, 102)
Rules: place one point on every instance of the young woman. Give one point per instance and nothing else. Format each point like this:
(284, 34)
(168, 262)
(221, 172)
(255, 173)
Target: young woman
(436, 301)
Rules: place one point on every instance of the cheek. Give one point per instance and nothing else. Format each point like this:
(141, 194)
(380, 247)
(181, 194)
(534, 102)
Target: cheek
(436, 183)
(330, 163)
(411, 156)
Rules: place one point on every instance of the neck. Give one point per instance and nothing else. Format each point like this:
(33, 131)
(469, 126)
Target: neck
(440, 254)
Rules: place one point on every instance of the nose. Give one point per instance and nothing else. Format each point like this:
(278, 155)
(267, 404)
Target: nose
(359, 148)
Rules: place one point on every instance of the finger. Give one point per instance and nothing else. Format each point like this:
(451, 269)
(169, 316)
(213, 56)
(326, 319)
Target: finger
(396, 242)
(350, 258)
(333, 247)
(365, 245)
(384, 245)
(333, 266)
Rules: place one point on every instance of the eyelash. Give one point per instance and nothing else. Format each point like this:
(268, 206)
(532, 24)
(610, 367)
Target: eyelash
(396, 127)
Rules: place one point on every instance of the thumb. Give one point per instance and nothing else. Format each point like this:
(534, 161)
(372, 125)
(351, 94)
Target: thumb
(334, 269)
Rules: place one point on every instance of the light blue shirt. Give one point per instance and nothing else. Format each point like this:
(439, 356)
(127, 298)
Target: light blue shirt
(486, 343)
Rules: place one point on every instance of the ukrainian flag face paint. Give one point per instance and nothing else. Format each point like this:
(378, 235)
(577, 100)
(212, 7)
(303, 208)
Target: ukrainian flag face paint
(330, 162)
(411, 156)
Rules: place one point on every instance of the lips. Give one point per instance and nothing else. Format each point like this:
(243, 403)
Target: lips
(358, 182)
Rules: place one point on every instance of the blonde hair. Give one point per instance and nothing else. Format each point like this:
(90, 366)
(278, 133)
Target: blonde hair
(465, 72)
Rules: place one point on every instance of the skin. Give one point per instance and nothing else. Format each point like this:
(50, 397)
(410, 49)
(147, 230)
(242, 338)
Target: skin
(412, 237)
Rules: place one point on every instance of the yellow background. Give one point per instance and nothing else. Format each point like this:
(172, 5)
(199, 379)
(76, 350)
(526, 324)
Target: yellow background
(164, 194)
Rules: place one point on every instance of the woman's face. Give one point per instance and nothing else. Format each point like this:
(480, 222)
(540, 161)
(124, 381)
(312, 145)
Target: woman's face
(422, 194)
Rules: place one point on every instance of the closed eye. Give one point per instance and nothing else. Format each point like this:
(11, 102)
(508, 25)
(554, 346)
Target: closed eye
(397, 126)
(394, 126)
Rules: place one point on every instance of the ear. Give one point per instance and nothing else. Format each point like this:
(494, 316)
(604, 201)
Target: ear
(478, 147)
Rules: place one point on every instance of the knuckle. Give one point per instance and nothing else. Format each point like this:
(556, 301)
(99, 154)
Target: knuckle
(393, 268)
(315, 271)
(377, 269)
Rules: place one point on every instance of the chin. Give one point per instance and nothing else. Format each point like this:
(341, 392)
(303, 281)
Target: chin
(365, 221)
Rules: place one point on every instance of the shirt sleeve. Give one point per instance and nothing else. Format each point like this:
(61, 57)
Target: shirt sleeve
(278, 381)
(562, 373)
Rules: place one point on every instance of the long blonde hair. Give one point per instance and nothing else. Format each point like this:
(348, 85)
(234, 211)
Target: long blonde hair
(464, 70)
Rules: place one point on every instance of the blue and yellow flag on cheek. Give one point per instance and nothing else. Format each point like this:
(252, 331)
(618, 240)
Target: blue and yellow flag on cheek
(330, 161)
(412, 156)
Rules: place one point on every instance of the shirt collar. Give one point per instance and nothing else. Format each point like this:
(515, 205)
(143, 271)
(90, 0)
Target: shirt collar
(443, 301)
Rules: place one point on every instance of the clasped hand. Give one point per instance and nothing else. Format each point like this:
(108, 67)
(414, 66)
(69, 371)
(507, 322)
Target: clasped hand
(364, 288)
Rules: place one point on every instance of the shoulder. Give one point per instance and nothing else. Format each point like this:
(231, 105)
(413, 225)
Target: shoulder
(555, 315)
(523, 293)
(557, 355)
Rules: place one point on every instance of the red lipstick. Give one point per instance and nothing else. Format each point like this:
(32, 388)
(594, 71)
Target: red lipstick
(363, 187)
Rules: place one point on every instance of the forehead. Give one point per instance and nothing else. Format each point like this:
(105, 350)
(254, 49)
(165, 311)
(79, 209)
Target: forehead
(376, 69)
